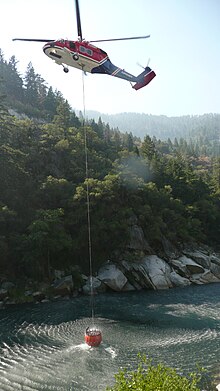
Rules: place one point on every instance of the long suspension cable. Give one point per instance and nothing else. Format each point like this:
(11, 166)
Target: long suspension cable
(88, 204)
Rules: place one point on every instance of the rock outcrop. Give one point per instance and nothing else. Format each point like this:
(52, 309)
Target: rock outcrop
(178, 280)
(138, 268)
(112, 276)
(158, 271)
(186, 266)
(153, 272)
(137, 238)
(63, 286)
(95, 283)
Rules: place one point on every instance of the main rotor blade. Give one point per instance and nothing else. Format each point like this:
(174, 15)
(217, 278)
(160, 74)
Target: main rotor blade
(32, 40)
(120, 39)
(79, 28)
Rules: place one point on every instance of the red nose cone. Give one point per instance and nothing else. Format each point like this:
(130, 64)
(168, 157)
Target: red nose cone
(93, 337)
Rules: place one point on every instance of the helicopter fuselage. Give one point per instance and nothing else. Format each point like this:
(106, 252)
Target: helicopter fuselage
(77, 54)
(89, 58)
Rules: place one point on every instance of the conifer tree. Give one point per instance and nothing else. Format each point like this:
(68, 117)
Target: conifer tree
(148, 148)
(63, 116)
(31, 85)
(14, 81)
(50, 102)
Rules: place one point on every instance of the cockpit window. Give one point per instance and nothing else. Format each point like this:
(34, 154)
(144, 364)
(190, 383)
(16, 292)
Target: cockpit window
(72, 45)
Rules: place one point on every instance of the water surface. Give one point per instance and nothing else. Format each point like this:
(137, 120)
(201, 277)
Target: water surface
(42, 348)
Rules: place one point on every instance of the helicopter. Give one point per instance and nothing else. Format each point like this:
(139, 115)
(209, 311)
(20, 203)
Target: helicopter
(82, 54)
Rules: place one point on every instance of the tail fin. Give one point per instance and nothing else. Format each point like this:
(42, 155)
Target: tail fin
(144, 78)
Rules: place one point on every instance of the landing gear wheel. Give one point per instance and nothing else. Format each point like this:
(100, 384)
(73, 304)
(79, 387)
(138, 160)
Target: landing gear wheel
(66, 70)
(75, 57)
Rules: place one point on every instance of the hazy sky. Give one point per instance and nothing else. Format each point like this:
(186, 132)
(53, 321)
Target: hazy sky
(184, 51)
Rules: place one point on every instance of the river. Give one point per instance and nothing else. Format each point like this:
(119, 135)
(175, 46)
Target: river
(42, 348)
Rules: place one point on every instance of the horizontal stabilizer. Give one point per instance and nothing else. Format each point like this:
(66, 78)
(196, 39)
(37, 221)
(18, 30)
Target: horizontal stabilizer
(145, 78)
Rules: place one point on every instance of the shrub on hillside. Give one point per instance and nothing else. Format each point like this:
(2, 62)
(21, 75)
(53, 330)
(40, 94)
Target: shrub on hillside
(149, 377)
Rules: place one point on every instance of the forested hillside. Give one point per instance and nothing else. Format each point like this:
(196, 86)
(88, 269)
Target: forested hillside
(201, 130)
(173, 191)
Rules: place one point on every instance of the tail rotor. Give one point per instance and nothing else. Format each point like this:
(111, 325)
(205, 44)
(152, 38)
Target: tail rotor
(140, 65)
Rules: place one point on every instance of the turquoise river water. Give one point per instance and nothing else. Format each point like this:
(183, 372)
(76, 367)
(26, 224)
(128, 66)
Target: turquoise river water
(42, 348)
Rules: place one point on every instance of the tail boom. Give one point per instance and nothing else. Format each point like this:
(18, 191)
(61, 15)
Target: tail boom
(110, 69)
(144, 78)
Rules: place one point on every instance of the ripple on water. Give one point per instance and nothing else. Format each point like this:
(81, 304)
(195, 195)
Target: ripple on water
(51, 357)
(44, 349)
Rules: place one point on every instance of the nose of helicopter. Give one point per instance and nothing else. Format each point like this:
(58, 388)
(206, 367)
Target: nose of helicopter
(52, 50)
(49, 45)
